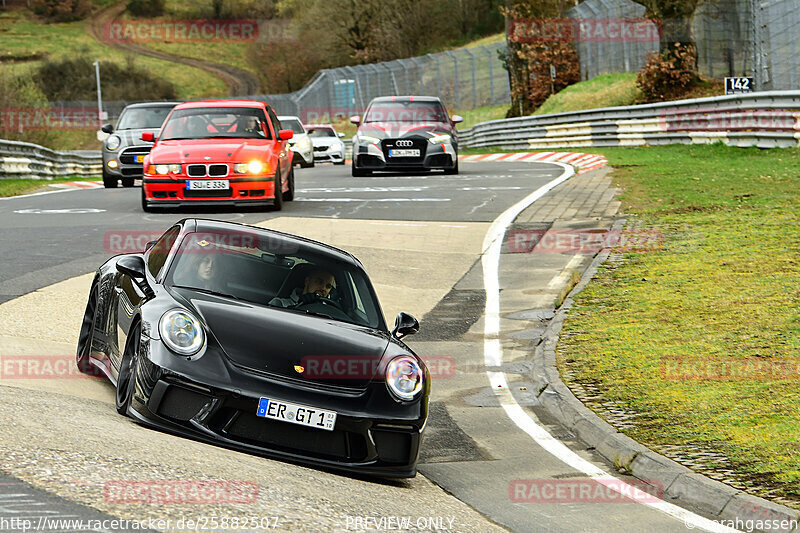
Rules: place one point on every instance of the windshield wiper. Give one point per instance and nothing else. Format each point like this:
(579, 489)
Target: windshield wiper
(208, 291)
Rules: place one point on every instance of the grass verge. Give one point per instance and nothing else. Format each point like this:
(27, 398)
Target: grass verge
(697, 341)
(16, 187)
(22, 35)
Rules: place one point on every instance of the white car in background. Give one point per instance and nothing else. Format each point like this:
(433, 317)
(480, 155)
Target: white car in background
(328, 145)
(300, 143)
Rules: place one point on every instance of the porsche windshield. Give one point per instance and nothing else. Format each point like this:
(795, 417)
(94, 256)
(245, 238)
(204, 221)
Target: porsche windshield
(215, 123)
(139, 118)
(407, 111)
(271, 271)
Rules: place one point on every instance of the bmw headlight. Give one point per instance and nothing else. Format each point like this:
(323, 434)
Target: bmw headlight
(436, 139)
(181, 332)
(162, 170)
(253, 167)
(404, 377)
(113, 142)
(368, 139)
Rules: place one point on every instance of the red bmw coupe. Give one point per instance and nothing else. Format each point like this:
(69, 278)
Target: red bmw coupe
(224, 152)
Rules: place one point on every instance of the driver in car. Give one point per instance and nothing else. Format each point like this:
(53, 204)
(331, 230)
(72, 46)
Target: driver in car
(318, 284)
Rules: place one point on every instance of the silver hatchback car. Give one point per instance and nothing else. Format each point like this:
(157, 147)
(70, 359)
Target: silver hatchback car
(124, 149)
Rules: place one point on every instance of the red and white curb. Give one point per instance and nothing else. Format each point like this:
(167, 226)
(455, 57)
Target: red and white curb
(583, 162)
(78, 185)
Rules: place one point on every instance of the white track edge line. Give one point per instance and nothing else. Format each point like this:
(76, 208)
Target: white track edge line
(493, 356)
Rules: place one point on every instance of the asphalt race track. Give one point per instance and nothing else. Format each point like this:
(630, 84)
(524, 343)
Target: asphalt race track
(422, 239)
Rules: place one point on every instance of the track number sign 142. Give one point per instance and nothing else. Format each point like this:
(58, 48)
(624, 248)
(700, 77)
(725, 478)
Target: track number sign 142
(738, 85)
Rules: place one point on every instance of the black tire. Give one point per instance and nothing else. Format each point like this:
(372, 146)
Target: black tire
(288, 196)
(110, 182)
(278, 203)
(339, 163)
(86, 335)
(453, 170)
(126, 378)
(358, 173)
(145, 206)
(128, 182)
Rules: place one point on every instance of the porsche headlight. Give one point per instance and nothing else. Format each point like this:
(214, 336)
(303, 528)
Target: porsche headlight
(436, 139)
(404, 377)
(113, 142)
(181, 332)
(368, 139)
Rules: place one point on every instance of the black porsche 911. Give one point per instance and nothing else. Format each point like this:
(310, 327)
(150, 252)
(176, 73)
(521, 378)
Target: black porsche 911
(259, 341)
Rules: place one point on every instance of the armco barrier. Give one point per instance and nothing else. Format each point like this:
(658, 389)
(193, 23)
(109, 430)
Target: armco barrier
(766, 120)
(25, 160)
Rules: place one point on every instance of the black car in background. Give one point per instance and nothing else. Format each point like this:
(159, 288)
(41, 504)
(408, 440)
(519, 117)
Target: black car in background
(259, 341)
(124, 149)
(405, 133)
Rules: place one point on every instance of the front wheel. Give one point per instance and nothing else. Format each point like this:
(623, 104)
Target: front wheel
(453, 170)
(86, 335)
(126, 379)
(278, 204)
(145, 205)
(358, 173)
(288, 196)
(109, 181)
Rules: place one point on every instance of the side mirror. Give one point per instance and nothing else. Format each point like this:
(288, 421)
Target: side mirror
(457, 118)
(340, 134)
(107, 128)
(405, 324)
(131, 265)
(149, 245)
(148, 136)
(285, 135)
(355, 119)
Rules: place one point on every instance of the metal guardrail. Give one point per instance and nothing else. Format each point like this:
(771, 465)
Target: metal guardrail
(765, 120)
(26, 160)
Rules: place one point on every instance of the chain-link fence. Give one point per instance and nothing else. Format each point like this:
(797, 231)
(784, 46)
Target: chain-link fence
(759, 38)
(465, 78)
(603, 44)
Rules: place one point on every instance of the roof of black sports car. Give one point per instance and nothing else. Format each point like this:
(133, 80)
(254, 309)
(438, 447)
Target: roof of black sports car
(205, 224)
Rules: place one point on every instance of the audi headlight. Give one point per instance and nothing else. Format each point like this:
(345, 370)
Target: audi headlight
(304, 144)
(368, 139)
(404, 377)
(113, 142)
(181, 332)
(436, 139)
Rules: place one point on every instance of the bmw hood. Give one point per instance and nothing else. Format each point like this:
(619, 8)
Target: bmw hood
(399, 130)
(279, 342)
(218, 150)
